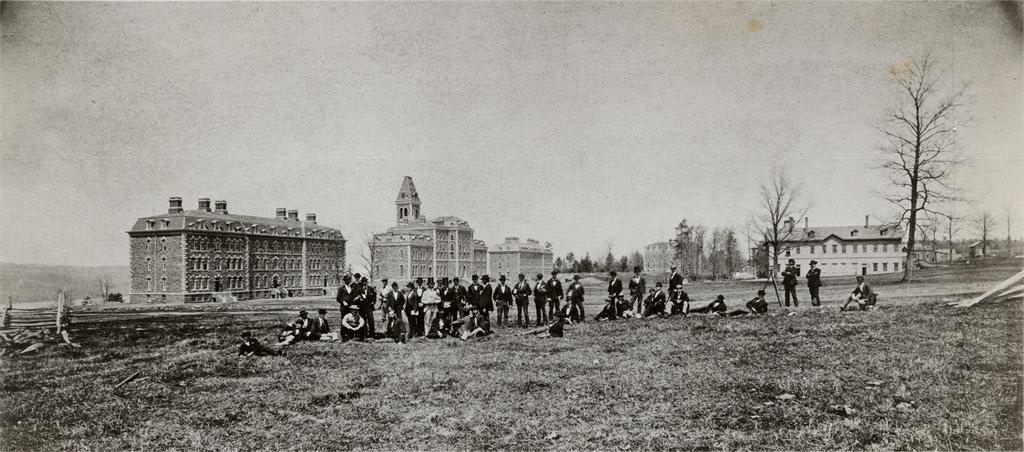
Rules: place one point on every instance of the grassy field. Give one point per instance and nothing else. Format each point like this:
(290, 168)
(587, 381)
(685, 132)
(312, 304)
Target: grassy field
(694, 383)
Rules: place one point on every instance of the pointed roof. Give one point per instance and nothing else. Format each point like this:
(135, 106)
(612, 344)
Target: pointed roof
(408, 191)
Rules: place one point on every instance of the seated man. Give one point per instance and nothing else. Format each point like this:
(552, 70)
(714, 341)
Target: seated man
(614, 307)
(680, 302)
(862, 294)
(295, 331)
(470, 325)
(717, 307)
(656, 302)
(353, 326)
(757, 305)
(249, 346)
(319, 330)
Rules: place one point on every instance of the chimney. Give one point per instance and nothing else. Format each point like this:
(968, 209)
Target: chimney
(805, 224)
(221, 206)
(293, 215)
(175, 205)
(789, 224)
(865, 221)
(204, 204)
(311, 218)
(281, 213)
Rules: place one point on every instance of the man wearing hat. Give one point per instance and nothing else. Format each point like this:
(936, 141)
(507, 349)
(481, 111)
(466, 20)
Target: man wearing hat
(430, 300)
(540, 299)
(862, 295)
(680, 302)
(521, 292)
(758, 305)
(637, 287)
(574, 299)
(459, 296)
(319, 329)
(366, 307)
(674, 280)
(474, 291)
(814, 282)
(554, 293)
(385, 290)
(656, 302)
(486, 304)
(346, 294)
(395, 301)
(717, 307)
(502, 301)
(789, 281)
(353, 326)
(413, 310)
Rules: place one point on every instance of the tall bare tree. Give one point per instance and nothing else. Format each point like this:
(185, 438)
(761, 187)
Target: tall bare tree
(103, 287)
(367, 253)
(921, 150)
(953, 224)
(985, 223)
(782, 206)
(1009, 212)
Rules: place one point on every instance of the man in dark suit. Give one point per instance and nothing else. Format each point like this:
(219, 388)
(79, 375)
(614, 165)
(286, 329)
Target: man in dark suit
(521, 292)
(346, 295)
(554, 293)
(814, 282)
(459, 296)
(486, 304)
(540, 299)
(413, 310)
(862, 295)
(789, 281)
(614, 292)
(574, 300)
(367, 305)
(473, 294)
(502, 300)
(319, 327)
(395, 301)
(674, 280)
(637, 287)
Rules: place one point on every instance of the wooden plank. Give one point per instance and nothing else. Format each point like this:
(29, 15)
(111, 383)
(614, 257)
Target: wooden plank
(995, 290)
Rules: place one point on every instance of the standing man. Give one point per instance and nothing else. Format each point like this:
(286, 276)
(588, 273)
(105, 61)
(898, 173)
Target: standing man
(614, 292)
(540, 299)
(789, 281)
(459, 295)
(522, 293)
(502, 300)
(385, 289)
(395, 301)
(814, 282)
(366, 308)
(346, 295)
(674, 280)
(473, 294)
(430, 301)
(637, 287)
(575, 299)
(413, 311)
(554, 293)
(486, 298)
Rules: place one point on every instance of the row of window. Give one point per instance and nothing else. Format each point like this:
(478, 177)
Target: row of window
(203, 263)
(836, 249)
(874, 265)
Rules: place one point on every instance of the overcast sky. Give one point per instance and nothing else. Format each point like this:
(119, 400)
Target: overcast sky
(582, 124)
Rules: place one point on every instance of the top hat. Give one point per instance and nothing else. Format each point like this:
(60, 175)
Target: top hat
(356, 276)
(636, 269)
(321, 311)
(302, 312)
(485, 277)
(419, 280)
(612, 273)
(455, 279)
(522, 276)
(540, 276)
(474, 277)
(501, 277)
(554, 272)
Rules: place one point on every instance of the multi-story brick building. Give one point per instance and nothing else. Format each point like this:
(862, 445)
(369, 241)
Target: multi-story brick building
(513, 257)
(417, 247)
(659, 257)
(844, 250)
(203, 255)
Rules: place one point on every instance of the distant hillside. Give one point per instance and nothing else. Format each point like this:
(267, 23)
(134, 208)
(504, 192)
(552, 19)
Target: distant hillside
(28, 283)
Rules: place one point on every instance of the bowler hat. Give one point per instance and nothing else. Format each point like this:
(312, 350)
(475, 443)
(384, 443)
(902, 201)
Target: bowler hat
(657, 284)
(575, 276)
(522, 276)
(720, 297)
(613, 273)
(485, 277)
(792, 261)
(303, 312)
(419, 280)
(321, 311)
(760, 291)
(455, 279)
(813, 262)
(356, 276)
(540, 276)
(501, 277)
(636, 269)
(474, 277)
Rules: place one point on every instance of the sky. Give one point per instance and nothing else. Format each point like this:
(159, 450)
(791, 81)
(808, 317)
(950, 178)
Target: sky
(581, 124)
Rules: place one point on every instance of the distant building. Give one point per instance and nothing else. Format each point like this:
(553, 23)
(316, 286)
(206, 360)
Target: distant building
(844, 250)
(659, 257)
(513, 257)
(203, 255)
(417, 247)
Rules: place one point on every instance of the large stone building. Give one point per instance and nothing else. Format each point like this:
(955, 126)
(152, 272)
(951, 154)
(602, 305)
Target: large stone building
(844, 250)
(513, 257)
(659, 257)
(203, 255)
(419, 248)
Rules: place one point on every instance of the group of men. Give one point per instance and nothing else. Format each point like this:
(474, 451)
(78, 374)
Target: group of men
(861, 294)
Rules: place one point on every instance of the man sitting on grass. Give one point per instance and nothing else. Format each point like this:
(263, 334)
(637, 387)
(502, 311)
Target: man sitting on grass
(319, 330)
(615, 307)
(757, 305)
(862, 295)
(295, 331)
(249, 346)
(353, 326)
(471, 325)
(680, 302)
(717, 307)
(656, 302)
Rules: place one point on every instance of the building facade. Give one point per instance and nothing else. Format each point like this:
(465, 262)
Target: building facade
(844, 250)
(659, 257)
(207, 255)
(512, 257)
(420, 248)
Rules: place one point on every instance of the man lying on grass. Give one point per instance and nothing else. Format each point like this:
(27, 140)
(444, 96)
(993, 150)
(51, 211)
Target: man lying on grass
(716, 307)
(756, 306)
(249, 346)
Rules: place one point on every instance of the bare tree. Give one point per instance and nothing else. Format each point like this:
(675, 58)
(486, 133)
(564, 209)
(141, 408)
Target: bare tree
(1009, 212)
(782, 206)
(921, 150)
(953, 224)
(368, 254)
(103, 287)
(985, 223)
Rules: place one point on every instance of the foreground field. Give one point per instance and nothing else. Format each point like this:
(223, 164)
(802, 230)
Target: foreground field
(696, 383)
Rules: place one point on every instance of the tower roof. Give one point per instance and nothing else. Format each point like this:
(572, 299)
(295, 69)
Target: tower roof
(408, 191)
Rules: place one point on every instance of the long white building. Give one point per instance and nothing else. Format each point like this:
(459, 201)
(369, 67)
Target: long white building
(844, 250)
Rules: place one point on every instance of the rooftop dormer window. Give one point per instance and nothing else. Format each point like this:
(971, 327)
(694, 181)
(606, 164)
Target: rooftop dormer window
(853, 233)
(149, 225)
(810, 234)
